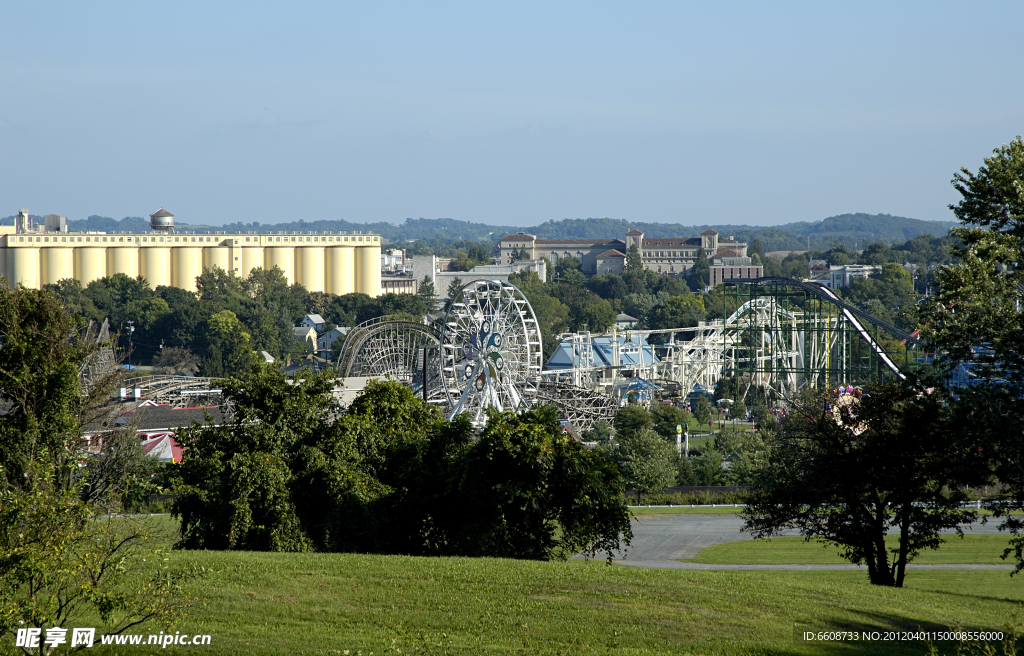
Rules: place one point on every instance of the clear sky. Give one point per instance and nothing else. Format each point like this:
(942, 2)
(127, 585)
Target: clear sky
(720, 112)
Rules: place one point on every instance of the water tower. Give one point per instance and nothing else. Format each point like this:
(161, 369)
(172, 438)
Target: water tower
(161, 221)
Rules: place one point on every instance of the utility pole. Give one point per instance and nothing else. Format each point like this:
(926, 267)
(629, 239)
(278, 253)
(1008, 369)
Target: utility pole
(131, 329)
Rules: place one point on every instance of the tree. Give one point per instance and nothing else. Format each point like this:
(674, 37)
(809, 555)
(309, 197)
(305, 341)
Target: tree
(61, 561)
(520, 255)
(42, 352)
(760, 414)
(707, 467)
(176, 360)
(849, 472)
(586, 309)
(678, 312)
(666, 418)
(600, 433)
(62, 566)
(838, 259)
(230, 351)
(461, 262)
(454, 287)
(647, 462)
(569, 271)
(568, 264)
(702, 412)
(700, 272)
(756, 248)
(875, 253)
(634, 261)
(293, 471)
(739, 409)
(630, 421)
(527, 490)
(526, 281)
(118, 478)
(427, 292)
(573, 277)
(974, 321)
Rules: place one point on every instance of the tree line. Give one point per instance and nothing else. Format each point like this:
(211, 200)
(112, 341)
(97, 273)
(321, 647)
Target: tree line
(217, 329)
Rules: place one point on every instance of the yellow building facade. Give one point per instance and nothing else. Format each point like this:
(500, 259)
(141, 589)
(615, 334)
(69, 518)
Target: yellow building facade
(337, 264)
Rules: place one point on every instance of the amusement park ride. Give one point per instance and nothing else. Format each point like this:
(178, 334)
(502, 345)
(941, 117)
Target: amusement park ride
(780, 335)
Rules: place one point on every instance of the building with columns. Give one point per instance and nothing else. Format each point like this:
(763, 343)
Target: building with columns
(663, 255)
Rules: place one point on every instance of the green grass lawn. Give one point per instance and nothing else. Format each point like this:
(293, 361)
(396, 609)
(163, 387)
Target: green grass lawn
(277, 603)
(258, 603)
(971, 549)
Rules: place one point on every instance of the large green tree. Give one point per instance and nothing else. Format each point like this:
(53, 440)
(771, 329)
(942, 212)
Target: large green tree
(681, 311)
(700, 272)
(975, 322)
(634, 260)
(647, 461)
(44, 404)
(850, 472)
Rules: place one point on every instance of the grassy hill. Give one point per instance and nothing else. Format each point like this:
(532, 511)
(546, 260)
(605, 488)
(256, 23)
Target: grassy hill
(290, 603)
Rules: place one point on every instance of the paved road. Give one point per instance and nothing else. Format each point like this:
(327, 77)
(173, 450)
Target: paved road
(674, 564)
(662, 540)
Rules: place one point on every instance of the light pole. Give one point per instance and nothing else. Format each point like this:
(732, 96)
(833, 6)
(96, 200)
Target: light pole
(131, 329)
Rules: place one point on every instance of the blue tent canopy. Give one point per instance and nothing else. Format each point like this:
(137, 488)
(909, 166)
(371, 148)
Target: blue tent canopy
(633, 351)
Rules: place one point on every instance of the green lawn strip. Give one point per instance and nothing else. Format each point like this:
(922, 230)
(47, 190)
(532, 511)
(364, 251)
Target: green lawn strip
(259, 603)
(972, 549)
(686, 510)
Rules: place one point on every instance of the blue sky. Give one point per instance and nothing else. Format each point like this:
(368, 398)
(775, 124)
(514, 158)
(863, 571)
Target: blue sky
(758, 113)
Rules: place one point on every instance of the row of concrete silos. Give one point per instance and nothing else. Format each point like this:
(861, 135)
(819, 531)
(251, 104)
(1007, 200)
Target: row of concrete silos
(333, 269)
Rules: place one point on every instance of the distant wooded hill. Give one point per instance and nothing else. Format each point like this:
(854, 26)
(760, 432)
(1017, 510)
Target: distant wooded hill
(847, 229)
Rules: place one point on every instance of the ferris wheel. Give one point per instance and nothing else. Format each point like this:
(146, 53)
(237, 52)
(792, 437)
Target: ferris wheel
(490, 350)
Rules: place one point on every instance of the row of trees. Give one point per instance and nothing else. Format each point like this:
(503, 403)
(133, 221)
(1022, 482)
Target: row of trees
(643, 446)
(218, 327)
(294, 471)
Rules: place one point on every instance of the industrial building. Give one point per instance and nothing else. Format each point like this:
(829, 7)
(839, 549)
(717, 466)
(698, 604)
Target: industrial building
(334, 263)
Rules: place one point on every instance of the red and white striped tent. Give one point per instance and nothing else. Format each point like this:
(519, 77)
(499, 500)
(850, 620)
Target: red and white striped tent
(161, 446)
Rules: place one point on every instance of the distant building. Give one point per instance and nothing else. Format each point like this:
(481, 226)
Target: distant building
(307, 336)
(404, 284)
(611, 261)
(314, 321)
(392, 261)
(723, 269)
(326, 341)
(585, 250)
(818, 270)
(841, 276)
(430, 267)
(625, 322)
(671, 255)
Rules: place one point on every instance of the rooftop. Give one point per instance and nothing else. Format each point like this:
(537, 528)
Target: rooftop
(633, 351)
(581, 241)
